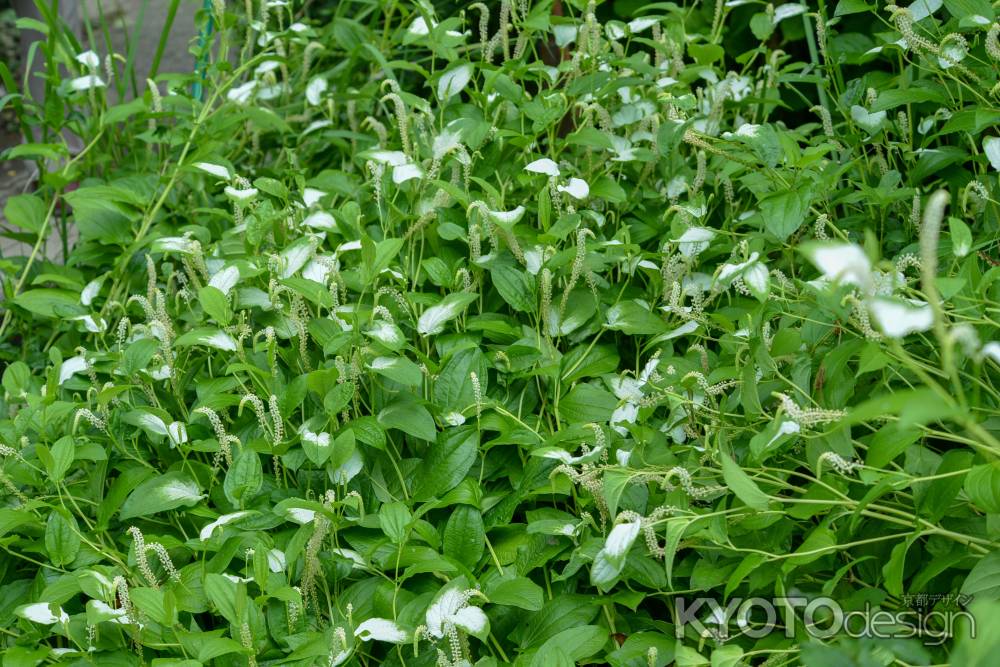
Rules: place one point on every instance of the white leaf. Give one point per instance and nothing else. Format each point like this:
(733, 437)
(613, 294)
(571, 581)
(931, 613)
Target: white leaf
(225, 279)
(314, 91)
(694, 240)
(470, 619)
(433, 319)
(177, 432)
(213, 169)
(543, 166)
(991, 146)
(276, 560)
(86, 82)
(638, 25)
(576, 188)
(207, 531)
(180, 489)
(898, 318)
(152, 423)
(241, 195)
(351, 555)
(311, 195)
(394, 158)
(71, 367)
(419, 27)
(565, 34)
(454, 81)
(787, 11)
(506, 219)
(300, 515)
(321, 220)
(921, 9)
(871, 122)
(991, 350)
(89, 59)
(40, 612)
(621, 538)
(242, 94)
(406, 172)
(842, 262)
(295, 256)
(382, 630)
(757, 279)
(348, 470)
(219, 340)
(91, 290)
(90, 324)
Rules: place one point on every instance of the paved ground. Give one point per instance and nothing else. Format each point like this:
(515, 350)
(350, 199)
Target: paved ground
(123, 17)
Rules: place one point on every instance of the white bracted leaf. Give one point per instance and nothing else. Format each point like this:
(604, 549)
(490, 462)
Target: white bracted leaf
(295, 256)
(842, 262)
(314, 91)
(576, 188)
(321, 220)
(177, 432)
(225, 279)
(241, 195)
(91, 290)
(86, 82)
(543, 166)
(433, 319)
(207, 531)
(621, 538)
(213, 169)
(300, 515)
(406, 172)
(40, 612)
(89, 59)
(152, 423)
(694, 240)
(311, 196)
(897, 318)
(381, 630)
(71, 367)
(991, 146)
(220, 340)
(454, 81)
(757, 279)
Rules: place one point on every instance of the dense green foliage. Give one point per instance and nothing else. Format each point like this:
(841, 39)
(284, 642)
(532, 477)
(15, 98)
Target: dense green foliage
(398, 338)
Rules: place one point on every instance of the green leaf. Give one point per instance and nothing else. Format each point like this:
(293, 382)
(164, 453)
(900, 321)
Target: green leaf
(394, 519)
(62, 538)
(244, 478)
(983, 582)
(446, 463)
(399, 369)
(409, 417)
(741, 484)
(26, 212)
(519, 592)
(516, 286)
(215, 304)
(49, 302)
(982, 485)
(785, 212)
(161, 493)
(464, 535)
(586, 403)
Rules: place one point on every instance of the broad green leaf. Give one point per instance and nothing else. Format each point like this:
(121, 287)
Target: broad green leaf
(741, 484)
(161, 493)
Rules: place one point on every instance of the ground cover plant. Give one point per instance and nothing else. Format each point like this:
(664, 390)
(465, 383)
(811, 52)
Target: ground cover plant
(496, 334)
